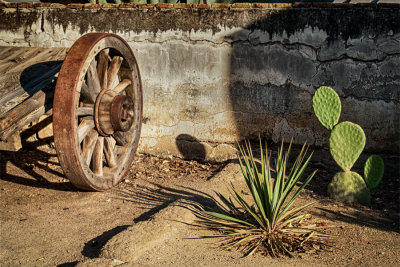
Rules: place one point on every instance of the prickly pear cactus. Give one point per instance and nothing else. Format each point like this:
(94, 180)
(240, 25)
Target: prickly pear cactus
(346, 143)
(373, 171)
(327, 107)
(350, 187)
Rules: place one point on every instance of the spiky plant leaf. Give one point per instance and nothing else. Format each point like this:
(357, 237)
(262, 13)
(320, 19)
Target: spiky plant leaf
(225, 217)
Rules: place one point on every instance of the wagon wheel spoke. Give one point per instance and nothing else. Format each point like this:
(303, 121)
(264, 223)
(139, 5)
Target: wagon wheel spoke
(109, 152)
(112, 74)
(122, 138)
(85, 111)
(93, 81)
(122, 86)
(102, 67)
(86, 105)
(83, 129)
(97, 157)
(87, 93)
(89, 143)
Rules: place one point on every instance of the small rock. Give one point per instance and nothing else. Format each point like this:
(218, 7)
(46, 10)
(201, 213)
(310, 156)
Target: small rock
(118, 261)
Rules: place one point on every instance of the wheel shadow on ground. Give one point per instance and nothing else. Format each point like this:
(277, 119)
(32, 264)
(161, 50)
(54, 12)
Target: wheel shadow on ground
(93, 247)
(156, 197)
(152, 198)
(35, 163)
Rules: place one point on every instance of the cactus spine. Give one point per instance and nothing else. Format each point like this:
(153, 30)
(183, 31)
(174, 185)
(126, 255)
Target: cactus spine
(346, 142)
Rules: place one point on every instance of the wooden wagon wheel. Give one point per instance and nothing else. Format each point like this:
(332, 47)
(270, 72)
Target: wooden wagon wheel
(97, 111)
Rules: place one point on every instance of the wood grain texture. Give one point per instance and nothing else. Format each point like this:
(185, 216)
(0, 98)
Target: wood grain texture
(84, 127)
(93, 78)
(89, 143)
(97, 159)
(121, 86)
(88, 94)
(25, 113)
(102, 67)
(26, 85)
(13, 143)
(109, 152)
(23, 68)
(113, 71)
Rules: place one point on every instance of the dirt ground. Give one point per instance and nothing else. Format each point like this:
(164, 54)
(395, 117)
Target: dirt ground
(145, 220)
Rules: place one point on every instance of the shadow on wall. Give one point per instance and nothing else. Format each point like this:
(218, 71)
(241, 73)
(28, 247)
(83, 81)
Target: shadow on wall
(34, 76)
(31, 80)
(190, 147)
(278, 62)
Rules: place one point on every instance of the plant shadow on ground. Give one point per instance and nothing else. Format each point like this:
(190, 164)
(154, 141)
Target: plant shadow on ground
(156, 197)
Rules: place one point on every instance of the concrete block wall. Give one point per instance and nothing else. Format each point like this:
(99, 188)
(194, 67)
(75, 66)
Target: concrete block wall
(214, 75)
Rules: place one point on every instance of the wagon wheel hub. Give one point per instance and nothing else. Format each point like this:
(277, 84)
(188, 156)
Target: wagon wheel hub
(113, 113)
(122, 113)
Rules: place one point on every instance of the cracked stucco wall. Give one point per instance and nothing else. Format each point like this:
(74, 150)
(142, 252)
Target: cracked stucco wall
(212, 77)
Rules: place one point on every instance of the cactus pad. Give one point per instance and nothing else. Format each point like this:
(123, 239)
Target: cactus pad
(346, 143)
(373, 171)
(350, 187)
(326, 104)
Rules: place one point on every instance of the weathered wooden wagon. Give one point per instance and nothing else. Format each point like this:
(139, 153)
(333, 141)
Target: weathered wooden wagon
(92, 91)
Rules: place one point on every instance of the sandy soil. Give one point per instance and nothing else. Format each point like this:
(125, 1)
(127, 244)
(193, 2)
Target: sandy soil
(145, 220)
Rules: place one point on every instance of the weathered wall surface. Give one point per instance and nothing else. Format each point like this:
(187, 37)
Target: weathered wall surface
(212, 77)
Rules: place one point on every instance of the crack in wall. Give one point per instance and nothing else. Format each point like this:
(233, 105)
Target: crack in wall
(42, 22)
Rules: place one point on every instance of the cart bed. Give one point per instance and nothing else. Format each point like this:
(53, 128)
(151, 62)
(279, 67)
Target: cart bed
(27, 85)
(23, 69)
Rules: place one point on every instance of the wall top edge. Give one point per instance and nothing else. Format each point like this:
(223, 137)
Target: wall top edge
(201, 6)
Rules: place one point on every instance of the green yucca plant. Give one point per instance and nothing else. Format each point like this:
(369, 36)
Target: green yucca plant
(270, 224)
